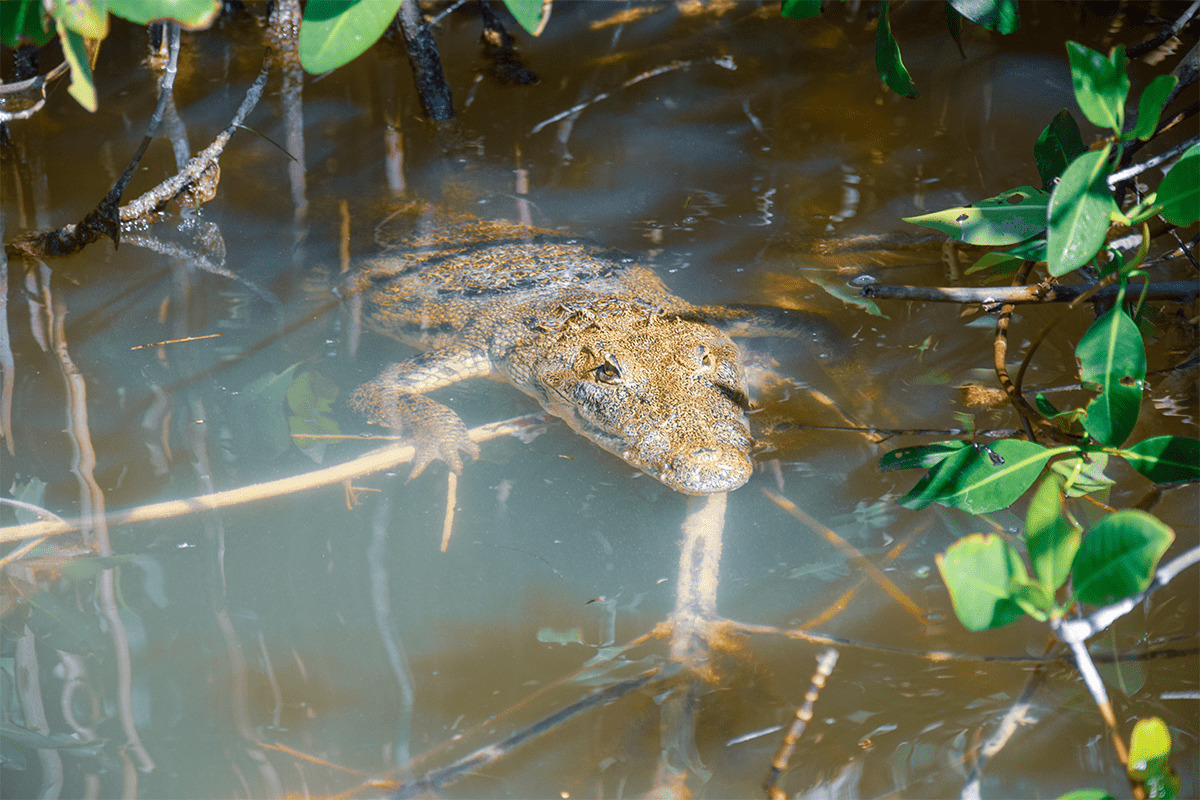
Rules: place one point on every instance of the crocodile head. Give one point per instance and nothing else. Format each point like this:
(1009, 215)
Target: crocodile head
(665, 394)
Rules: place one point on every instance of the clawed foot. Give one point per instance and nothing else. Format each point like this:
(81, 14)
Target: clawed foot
(443, 445)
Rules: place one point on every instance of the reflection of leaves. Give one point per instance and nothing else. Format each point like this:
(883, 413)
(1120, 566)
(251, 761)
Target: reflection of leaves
(310, 396)
(311, 393)
(1084, 475)
(798, 9)
(261, 413)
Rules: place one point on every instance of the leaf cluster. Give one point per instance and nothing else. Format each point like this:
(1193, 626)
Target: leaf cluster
(1066, 227)
(335, 32)
(81, 25)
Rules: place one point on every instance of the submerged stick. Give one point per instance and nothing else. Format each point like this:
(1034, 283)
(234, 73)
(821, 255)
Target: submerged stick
(435, 780)
(377, 460)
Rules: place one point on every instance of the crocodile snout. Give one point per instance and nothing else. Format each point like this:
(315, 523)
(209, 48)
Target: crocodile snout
(708, 470)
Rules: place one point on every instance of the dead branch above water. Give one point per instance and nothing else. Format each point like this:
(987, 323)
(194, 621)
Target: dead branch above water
(1182, 291)
(108, 217)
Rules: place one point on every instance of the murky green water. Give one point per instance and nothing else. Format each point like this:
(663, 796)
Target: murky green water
(342, 632)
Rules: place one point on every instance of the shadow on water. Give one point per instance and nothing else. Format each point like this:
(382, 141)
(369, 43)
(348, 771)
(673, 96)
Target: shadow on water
(320, 641)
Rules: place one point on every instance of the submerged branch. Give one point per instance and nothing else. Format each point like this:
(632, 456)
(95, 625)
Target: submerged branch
(435, 780)
(377, 460)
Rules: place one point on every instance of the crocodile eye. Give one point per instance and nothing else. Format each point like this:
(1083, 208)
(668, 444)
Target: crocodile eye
(608, 372)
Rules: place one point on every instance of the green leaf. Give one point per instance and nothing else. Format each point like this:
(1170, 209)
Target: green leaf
(924, 456)
(1166, 459)
(1051, 538)
(1150, 105)
(1008, 218)
(1083, 475)
(1059, 145)
(1179, 192)
(82, 88)
(22, 21)
(335, 32)
(532, 15)
(800, 9)
(954, 24)
(982, 479)
(1087, 794)
(88, 18)
(259, 413)
(1033, 599)
(1112, 358)
(191, 14)
(1101, 84)
(978, 571)
(995, 15)
(1118, 557)
(887, 57)
(1009, 260)
(1078, 213)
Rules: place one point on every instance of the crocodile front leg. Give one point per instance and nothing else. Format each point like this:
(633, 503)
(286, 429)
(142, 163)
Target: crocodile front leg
(396, 399)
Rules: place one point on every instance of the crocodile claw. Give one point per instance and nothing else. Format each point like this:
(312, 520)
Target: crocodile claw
(445, 445)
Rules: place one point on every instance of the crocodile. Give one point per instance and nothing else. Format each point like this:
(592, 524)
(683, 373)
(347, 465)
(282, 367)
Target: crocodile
(596, 338)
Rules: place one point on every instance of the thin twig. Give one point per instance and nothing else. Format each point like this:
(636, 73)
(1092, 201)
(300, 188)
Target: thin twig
(392, 644)
(942, 656)
(1141, 48)
(1183, 291)
(1076, 632)
(1150, 163)
(1000, 359)
(720, 61)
